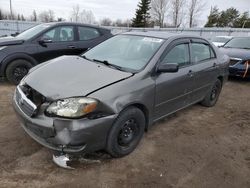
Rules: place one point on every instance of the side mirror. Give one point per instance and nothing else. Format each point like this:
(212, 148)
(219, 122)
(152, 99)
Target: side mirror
(44, 41)
(168, 67)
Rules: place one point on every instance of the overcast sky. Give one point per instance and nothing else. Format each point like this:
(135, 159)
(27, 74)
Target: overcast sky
(113, 9)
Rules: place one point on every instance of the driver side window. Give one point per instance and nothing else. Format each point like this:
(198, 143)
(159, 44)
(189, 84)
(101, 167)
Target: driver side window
(178, 54)
(60, 34)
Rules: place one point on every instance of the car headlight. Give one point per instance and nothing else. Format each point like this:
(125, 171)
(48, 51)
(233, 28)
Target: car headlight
(72, 107)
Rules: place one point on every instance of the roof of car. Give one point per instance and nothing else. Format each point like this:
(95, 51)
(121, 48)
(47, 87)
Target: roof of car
(160, 34)
(74, 23)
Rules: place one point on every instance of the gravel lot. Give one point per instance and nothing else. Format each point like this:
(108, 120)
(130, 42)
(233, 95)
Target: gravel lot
(196, 147)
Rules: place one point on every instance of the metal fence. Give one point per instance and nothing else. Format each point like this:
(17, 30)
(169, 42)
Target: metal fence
(8, 27)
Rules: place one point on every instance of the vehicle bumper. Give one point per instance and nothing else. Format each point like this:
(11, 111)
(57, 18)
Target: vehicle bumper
(236, 72)
(66, 135)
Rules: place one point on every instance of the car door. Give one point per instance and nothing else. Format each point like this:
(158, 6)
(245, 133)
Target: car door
(204, 68)
(173, 89)
(87, 37)
(56, 42)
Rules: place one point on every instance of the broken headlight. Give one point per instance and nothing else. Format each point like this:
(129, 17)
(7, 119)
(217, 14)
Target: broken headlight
(72, 107)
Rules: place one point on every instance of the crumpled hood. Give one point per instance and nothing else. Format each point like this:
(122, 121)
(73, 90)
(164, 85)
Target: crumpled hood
(6, 41)
(236, 53)
(71, 76)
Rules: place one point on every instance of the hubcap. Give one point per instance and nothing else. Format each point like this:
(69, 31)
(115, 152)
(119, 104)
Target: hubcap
(128, 133)
(214, 92)
(19, 73)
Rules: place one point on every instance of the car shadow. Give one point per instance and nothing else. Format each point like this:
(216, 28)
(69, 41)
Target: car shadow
(4, 82)
(238, 79)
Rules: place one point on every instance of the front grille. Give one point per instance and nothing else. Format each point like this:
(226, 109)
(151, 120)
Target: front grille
(234, 61)
(27, 106)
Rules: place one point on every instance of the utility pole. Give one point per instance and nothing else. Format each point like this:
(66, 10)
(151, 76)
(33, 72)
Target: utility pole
(11, 12)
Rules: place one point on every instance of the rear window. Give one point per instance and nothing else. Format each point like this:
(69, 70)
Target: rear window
(87, 33)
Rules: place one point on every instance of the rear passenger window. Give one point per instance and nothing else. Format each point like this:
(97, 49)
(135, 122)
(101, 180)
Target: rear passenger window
(178, 54)
(87, 33)
(201, 52)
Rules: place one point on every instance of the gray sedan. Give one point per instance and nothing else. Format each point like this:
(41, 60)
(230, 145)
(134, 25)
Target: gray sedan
(108, 97)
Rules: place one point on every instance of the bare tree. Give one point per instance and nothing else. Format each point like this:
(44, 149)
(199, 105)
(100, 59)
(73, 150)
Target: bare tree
(76, 13)
(47, 16)
(44, 16)
(127, 23)
(178, 6)
(87, 16)
(195, 7)
(106, 22)
(158, 10)
(117, 23)
(51, 15)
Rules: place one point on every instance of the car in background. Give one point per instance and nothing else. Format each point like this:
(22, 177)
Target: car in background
(238, 49)
(221, 40)
(107, 97)
(44, 42)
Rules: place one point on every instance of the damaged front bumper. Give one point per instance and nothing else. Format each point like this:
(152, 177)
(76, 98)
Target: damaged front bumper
(72, 136)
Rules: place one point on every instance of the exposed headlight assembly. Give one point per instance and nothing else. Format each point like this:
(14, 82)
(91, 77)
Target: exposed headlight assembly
(72, 107)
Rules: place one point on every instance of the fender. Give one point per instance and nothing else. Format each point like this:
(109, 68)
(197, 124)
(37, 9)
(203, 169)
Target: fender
(13, 57)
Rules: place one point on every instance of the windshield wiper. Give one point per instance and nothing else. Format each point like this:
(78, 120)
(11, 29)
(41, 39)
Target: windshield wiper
(84, 57)
(105, 62)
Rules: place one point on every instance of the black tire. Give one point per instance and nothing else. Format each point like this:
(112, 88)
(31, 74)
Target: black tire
(213, 95)
(126, 132)
(16, 70)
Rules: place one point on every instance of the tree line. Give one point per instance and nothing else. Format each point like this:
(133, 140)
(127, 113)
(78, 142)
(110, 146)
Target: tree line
(228, 18)
(43, 16)
(186, 13)
(180, 13)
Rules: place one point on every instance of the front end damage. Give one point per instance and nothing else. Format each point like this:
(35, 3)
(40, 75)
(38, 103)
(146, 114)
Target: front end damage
(65, 137)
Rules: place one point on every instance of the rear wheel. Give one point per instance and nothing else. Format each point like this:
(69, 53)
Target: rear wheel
(126, 132)
(213, 95)
(16, 70)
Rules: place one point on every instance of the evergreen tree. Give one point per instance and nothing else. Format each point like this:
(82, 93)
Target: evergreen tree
(213, 17)
(142, 14)
(242, 21)
(228, 17)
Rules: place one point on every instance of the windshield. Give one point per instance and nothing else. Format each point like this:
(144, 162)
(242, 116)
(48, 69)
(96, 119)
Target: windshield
(239, 43)
(220, 39)
(29, 33)
(129, 52)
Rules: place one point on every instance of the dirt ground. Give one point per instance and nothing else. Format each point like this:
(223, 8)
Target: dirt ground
(197, 147)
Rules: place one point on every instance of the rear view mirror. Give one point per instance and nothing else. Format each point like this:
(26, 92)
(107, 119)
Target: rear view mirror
(168, 67)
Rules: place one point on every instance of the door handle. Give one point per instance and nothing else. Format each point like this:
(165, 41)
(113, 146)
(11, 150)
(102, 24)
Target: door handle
(190, 73)
(71, 46)
(215, 65)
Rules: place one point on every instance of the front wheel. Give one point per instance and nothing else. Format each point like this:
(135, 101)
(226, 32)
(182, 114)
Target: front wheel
(126, 132)
(213, 95)
(16, 70)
